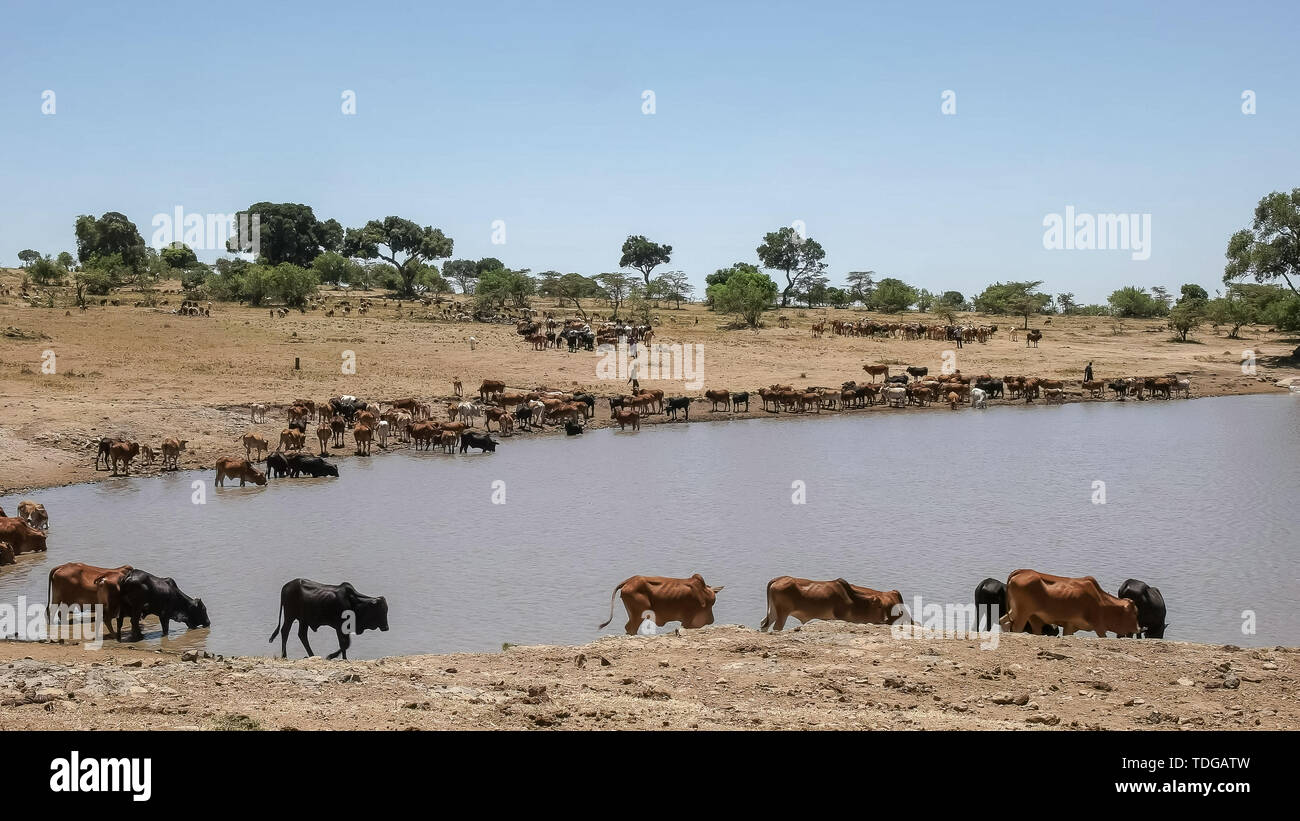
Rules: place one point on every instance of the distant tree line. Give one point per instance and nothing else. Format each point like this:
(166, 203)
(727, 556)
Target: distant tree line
(297, 253)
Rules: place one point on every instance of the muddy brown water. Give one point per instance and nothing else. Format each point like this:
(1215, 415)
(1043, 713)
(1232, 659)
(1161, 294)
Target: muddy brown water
(1201, 500)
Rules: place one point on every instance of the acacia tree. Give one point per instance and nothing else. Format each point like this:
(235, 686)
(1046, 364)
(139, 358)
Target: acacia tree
(400, 242)
(643, 255)
(614, 287)
(674, 285)
(797, 256)
(1270, 248)
(571, 288)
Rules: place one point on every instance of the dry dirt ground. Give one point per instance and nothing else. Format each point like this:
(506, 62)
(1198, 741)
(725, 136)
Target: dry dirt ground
(820, 676)
(148, 373)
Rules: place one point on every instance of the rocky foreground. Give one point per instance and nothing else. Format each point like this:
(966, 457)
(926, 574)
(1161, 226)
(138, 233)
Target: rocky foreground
(824, 676)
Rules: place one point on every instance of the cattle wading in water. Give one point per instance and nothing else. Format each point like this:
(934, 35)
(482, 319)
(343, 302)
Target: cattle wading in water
(314, 605)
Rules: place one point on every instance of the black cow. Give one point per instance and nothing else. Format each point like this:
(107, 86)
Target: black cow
(588, 400)
(991, 595)
(918, 372)
(991, 387)
(144, 594)
(738, 399)
(105, 445)
(347, 408)
(311, 465)
(682, 403)
(898, 379)
(524, 417)
(482, 441)
(572, 428)
(277, 465)
(314, 605)
(1150, 606)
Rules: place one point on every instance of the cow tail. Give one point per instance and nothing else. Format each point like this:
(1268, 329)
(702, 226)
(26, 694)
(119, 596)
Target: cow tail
(279, 618)
(617, 587)
(770, 616)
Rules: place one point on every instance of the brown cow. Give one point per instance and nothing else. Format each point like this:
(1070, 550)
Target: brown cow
(876, 370)
(834, 600)
(447, 440)
(20, 536)
(34, 513)
(254, 441)
(718, 396)
(362, 435)
(424, 434)
(626, 418)
(324, 433)
(75, 583)
(664, 599)
(6, 554)
(1071, 603)
(339, 425)
(123, 452)
(240, 469)
(291, 439)
(171, 453)
(490, 388)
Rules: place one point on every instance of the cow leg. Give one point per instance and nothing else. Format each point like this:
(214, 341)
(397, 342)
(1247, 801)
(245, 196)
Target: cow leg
(344, 643)
(164, 621)
(779, 624)
(302, 636)
(284, 638)
(136, 633)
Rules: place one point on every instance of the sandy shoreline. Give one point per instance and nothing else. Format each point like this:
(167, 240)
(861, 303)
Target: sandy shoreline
(148, 374)
(820, 676)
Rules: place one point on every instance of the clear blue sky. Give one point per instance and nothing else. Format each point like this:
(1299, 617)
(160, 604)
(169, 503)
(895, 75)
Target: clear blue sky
(530, 113)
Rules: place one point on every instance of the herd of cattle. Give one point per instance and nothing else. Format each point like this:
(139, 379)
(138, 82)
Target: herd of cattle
(411, 420)
(1029, 601)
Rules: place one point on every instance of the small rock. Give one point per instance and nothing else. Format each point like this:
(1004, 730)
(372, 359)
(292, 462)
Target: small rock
(1186, 682)
(1231, 682)
(190, 655)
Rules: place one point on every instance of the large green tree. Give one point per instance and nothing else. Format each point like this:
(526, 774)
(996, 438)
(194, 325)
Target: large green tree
(1132, 301)
(643, 255)
(893, 295)
(112, 234)
(745, 293)
(400, 242)
(287, 232)
(1270, 248)
(799, 257)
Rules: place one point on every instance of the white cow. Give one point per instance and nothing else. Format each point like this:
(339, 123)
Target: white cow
(897, 397)
(468, 411)
(1183, 386)
(382, 432)
(978, 398)
(259, 413)
(538, 409)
